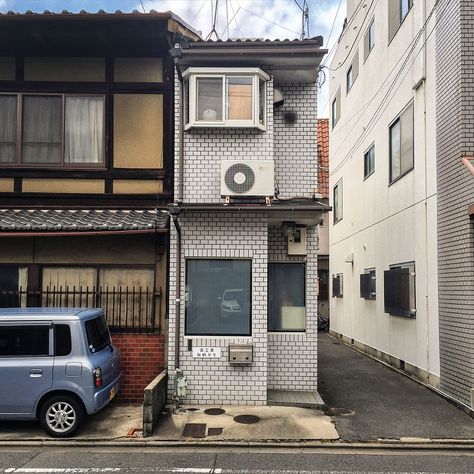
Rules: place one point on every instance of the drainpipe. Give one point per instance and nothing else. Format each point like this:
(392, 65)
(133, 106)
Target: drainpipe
(176, 54)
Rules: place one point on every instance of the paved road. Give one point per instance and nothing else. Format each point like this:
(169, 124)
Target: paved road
(386, 404)
(231, 461)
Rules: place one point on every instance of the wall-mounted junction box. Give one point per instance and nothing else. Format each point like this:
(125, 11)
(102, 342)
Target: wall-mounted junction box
(240, 354)
(297, 241)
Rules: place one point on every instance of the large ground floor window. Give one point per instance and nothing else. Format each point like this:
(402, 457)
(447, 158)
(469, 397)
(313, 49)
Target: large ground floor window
(286, 297)
(218, 297)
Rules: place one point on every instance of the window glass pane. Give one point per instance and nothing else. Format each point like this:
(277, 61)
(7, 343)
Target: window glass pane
(62, 340)
(369, 161)
(239, 98)
(395, 150)
(349, 78)
(98, 335)
(262, 101)
(286, 297)
(209, 99)
(84, 130)
(218, 297)
(404, 7)
(7, 128)
(12, 279)
(334, 112)
(24, 340)
(372, 35)
(41, 130)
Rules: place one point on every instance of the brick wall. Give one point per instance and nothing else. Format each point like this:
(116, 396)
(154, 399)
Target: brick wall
(455, 139)
(293, 357)
(142, 360)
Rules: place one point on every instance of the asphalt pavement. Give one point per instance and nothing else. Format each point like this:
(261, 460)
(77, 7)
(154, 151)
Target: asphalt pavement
(222, 461)
(380, 402)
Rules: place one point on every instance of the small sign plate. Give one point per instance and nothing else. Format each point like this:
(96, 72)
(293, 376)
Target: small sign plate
(207, 352)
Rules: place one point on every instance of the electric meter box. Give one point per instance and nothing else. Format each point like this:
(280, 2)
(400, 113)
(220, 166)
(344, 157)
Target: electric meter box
(240, 354)
(297, 241)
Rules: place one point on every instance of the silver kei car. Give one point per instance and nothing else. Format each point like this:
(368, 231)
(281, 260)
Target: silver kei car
(56, 365)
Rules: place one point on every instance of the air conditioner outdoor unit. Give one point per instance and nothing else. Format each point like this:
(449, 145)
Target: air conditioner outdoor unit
(252, 178)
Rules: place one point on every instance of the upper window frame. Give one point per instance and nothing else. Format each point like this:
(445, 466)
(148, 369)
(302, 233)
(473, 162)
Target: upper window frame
(192, 74)
(62, 165)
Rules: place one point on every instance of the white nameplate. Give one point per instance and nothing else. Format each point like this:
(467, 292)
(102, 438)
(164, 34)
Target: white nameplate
(207, 352)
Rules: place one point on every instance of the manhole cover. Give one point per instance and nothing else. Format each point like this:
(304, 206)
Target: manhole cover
(214, 431)
(341, 412)
(214, 411)
(246, 419)
(194, 430)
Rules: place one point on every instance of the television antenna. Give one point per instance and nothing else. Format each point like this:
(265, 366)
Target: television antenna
(304, 18)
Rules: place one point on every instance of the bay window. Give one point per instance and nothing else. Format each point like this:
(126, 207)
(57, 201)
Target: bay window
(225, 97)
(55, 130)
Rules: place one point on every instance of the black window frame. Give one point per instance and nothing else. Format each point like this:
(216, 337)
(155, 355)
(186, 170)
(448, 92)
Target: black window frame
(368, 172)
(202, 335)
(337, 285)
(402, 275)
(368, 284)
(302, 263)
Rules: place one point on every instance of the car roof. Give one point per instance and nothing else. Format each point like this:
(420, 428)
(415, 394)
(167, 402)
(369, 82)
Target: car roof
(50, 314)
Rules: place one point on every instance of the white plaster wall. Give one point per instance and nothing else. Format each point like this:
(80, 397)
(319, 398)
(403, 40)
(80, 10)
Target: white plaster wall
(385, 224)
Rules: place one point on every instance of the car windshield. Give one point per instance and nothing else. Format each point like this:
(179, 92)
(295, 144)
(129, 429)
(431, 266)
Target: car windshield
(98, 335)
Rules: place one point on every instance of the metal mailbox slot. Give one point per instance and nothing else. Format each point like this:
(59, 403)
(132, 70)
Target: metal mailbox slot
(240, 353)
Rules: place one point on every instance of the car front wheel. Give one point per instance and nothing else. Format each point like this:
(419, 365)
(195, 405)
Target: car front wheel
(61, 416)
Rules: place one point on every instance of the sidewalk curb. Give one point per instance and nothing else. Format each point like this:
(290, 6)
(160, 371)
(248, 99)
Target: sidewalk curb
(411, 444)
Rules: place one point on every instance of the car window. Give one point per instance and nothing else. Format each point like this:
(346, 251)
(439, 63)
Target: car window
(98, 335)
(24, 340)
(62, 340)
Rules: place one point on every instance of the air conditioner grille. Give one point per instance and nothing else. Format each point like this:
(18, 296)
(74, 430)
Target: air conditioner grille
(240, 178)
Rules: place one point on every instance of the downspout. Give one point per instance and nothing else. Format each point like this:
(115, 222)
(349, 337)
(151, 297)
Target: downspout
(176, 54)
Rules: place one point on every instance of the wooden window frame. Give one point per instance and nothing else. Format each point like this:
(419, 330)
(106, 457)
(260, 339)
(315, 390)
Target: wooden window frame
(18, 164)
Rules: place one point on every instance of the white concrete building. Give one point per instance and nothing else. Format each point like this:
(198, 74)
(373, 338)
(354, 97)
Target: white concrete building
(383, 234)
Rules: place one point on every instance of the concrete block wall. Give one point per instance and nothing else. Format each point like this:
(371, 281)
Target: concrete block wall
(455, 139)
(215, 381)
(295, 146)
(292, 357)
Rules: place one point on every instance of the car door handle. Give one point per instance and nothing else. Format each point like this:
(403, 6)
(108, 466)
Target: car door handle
(36, 372)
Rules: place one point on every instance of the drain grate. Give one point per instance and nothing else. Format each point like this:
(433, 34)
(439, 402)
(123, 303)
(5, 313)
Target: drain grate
(192, 409)
(194, 430)
(214, 411)
(341, 412)
(246, 419)
(214, 431)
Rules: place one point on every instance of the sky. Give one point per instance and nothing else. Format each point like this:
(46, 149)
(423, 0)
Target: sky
(247, 18)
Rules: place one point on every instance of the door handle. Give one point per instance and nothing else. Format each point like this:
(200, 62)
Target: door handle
(36, 372)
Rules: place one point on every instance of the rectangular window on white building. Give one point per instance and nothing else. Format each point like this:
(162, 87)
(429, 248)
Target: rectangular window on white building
(368, 284)
(369, 39)
(337, 202)
(218, 297)
(397, 12)
(401, 138)
(337, 285)
(369, 161)
(400, 290)
(336, 108)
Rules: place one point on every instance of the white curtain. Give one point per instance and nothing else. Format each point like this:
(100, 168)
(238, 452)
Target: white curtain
(7, 129)
(84, 130)
(42, 129)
